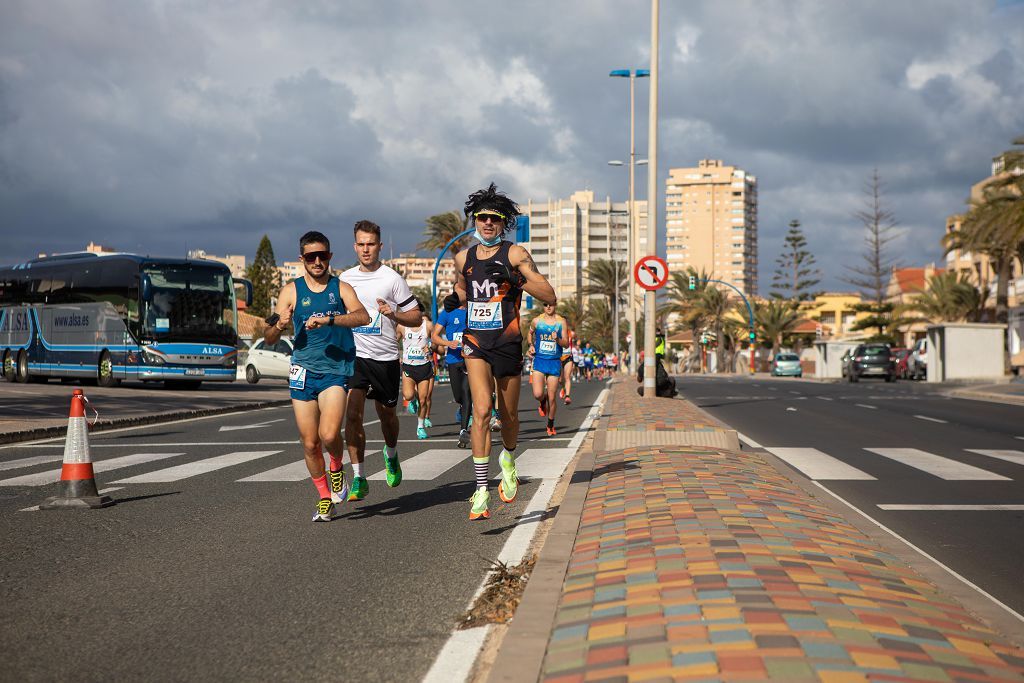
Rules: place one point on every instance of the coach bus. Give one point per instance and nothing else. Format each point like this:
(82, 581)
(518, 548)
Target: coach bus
(103, 318)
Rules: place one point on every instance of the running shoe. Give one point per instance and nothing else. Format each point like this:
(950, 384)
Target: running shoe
(541, 407)
(464, 438)
(496, 425)
(393, 467)
(359, 488)
(481, 499)
(339, 487)
(421, 432)
(413, 407)
(458, 415)
(508, 487)
(568, 400)
(324, 510)
(427, 422)
(551, 431)
(561, 393)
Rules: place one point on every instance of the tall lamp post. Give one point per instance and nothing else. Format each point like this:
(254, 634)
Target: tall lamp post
(630, 256)
(650, 303)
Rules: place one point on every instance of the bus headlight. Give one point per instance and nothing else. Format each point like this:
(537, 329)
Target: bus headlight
(152, 358)
(231, 361)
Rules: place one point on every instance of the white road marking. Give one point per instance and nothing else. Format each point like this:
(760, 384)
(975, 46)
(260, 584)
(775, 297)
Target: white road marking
(824, 398)
(1016, 457)
(794, 392)
(110, 489)
(294, 442)
(258, 425)
(28, 462)
(193, 469)
(52, 476)
(951, 508)
(817, 465)
(458, 656)
(293, 471)
(930, 419)
(865, 405)
(747, 440)
(543, 463)
(944, 468)
(791, 410)
(921, 552)
(429, 464)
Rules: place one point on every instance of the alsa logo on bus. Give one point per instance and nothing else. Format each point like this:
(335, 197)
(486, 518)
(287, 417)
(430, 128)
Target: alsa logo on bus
(214, 350)
(70, 321)
(15, 321)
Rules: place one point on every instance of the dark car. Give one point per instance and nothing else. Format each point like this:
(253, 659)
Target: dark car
(872, 360)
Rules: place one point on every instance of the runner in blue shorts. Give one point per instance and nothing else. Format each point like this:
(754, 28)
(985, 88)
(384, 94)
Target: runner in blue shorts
(549, 334)
(323, 310)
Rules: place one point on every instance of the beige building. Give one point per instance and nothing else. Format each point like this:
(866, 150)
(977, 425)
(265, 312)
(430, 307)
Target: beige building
(567, 234)
(711, 222)
(290, 270)
(835, 313)
(236, 262)
(418, 271)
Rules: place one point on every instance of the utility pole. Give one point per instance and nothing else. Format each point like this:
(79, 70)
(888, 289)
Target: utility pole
(650, 301)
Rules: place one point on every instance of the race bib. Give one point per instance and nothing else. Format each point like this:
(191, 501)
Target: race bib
(372, 329)
(457, 337)
(547, 346)
(415, 353)
(296, 377)
(484, 315)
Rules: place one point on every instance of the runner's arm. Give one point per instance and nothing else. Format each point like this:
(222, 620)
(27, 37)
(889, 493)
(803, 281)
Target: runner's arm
(530, 349)
(563, 341)
(357, 315)
(460, 281)
(536, 284)
(285, 306)
(407, 309)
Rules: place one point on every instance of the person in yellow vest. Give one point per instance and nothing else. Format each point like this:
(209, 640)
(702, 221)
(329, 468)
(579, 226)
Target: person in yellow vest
(659, 345)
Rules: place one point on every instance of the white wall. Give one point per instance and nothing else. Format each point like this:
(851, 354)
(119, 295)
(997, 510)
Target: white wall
(965, 351)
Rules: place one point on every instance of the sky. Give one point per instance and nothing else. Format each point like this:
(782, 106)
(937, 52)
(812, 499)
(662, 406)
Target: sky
(158, 127)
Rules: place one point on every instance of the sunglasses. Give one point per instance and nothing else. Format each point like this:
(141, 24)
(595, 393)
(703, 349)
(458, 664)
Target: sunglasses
(312, 256)
(490, 218)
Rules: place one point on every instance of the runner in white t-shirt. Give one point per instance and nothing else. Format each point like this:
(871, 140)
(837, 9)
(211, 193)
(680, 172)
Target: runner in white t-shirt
(387, 298)
(418, 371)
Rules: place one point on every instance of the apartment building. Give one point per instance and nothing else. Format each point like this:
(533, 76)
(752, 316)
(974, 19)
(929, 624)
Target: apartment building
(566, 235)
(419, 271)
(236, 262)
(711, 222)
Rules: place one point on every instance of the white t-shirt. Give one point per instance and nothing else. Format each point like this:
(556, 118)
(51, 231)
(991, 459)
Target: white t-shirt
(416, 345)
(377, 340)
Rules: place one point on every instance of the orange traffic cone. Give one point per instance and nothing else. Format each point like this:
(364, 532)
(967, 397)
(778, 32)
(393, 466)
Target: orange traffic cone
(77, 483)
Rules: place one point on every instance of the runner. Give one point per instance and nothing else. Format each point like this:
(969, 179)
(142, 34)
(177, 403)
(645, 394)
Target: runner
(418, 370)
(568, 366)
(322, 309)
(577, 361)
(447, 335)
(492, 276)
(588, 360)
(548, 336)
(377, 374)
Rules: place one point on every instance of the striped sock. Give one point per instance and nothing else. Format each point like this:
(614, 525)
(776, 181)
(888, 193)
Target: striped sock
(480, 470)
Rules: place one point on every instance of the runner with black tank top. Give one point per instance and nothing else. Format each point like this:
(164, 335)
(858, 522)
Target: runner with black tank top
(491, 278)
(323, 309)
(418, 371)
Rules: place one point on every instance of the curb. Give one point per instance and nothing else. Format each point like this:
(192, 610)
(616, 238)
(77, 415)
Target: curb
(142, 420)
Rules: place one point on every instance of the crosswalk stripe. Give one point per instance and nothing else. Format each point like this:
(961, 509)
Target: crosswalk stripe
(944, 468)
(542, 463)
(28, 462)
(293, 471)
(193, 469)
(52, 476)
(428, 465)
(817, 465)
(1016, 457)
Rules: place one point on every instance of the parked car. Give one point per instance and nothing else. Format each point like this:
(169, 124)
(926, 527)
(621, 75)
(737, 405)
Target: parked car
(917, 362)
(845, 361)
(872, 360)
(268, 360)
(901, 356)
(786, 364)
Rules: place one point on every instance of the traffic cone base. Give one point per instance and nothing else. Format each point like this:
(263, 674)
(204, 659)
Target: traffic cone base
(77, 481)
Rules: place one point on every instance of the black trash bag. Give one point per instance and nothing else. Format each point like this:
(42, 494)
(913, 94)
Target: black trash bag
(664, 386)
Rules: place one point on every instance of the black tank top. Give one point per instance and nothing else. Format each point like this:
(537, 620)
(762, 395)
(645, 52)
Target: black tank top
(493, 310)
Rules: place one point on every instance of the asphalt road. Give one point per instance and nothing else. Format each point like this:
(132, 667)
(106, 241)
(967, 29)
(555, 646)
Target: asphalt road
(880, 445)
(209, 568)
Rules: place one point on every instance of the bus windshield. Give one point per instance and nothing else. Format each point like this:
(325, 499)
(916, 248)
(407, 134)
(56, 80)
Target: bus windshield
(189, 303)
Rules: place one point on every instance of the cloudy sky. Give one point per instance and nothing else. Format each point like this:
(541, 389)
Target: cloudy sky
(160, 126)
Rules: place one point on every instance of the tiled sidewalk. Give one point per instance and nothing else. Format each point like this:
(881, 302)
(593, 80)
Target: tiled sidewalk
(706, 564)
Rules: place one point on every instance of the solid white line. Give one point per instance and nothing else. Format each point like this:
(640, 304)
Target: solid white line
(429, 464)
(458, 656)
(519, 540)
(944, 468)
(865, 405)
(1016, 457)
(747, 440)
(954, 508)
(193, 469)
(52, 476)
(817, 465)
(930, 419)
(28, 462)
(914, 547)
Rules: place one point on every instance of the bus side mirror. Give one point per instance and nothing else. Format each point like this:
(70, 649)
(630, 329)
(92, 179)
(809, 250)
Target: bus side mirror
(247, 297)
(146, 288)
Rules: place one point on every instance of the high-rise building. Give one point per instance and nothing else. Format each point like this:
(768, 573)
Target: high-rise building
(566, 235)
(236, 262)
(711, 222)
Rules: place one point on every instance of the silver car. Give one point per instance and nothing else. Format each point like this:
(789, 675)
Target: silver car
(787, 364)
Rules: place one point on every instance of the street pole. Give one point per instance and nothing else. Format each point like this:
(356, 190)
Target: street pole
(631, 224)
(650, 303)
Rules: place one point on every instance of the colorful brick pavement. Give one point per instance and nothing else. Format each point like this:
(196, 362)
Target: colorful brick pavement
(704, 564)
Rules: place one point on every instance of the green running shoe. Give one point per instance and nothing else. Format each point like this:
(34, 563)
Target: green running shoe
(359, 488)
(481, 498)
(427, 422)
(508, 487)
(413, 407)
(393, 467)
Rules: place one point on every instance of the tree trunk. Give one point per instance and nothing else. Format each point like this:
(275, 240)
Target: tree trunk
(1004, 267)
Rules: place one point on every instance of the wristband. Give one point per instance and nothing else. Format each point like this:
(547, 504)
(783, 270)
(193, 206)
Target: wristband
(330, 319)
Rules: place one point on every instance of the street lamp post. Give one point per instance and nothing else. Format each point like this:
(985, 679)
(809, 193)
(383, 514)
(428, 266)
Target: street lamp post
(615, 260)
(650, 303)
(630, 257)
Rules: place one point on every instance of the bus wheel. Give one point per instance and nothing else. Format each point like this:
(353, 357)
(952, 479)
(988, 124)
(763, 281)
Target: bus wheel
(8, 366)
(21, 368)
(105, 372)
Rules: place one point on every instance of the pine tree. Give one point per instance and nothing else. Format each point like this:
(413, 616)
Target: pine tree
(796, 274)
(265, 278)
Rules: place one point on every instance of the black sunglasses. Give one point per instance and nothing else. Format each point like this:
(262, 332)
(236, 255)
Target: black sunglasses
(490, 217)
(312, 256)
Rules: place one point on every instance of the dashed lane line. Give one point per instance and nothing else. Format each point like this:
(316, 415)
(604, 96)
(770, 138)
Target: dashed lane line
(931, 419)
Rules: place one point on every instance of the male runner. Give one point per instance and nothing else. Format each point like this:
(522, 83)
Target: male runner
(418, 370)
(548, 336)
(377, 373)
(589, 352)
(448, 331)
(567, 366)
(492, 276)
(324, 308)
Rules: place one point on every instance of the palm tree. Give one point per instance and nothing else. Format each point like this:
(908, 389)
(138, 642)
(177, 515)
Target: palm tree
(597, 325)
(680, 300)
(947, 297)
(775, 319)
(601, 280)
(573, 310)
(713, 306)
(441, 229)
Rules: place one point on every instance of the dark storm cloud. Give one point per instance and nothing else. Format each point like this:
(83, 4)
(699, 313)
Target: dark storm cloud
(164, 126)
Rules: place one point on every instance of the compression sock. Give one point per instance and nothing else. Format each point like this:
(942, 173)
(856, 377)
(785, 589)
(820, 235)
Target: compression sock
(322, 487)
(480, 470)
(336, 463)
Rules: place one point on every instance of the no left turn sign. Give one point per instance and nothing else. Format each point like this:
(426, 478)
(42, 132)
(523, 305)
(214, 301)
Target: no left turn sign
(651, 273)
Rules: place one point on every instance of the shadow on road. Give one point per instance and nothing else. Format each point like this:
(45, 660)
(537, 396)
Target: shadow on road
(413, 502)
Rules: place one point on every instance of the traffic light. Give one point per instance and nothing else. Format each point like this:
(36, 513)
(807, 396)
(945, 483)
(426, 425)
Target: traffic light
(753, 336)
(693, 282)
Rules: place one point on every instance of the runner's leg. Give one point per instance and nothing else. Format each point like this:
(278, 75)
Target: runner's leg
(307, 419)
(408, 388)
(552, 388)
(355, 435)
(508, 409)
(539, 391)
(388, 424)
